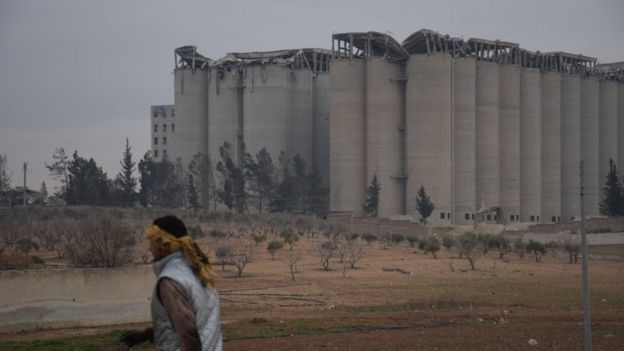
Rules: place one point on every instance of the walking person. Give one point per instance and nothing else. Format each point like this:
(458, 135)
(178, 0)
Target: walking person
(184, 305)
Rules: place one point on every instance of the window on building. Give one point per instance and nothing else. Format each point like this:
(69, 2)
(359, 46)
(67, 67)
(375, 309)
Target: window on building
(156, 141)
(155, 114)
(553, 219)
(472, 216)
(572, 219)
(467, 216)
(155, 128)
(537, 218)
(511, 217)
(489, 217)
(164, 141)
(532, 218)
(155, 153)
(172, 113)
(165, 153)
(448, 215)
(173, 127)
(164, 128)
(441, 215)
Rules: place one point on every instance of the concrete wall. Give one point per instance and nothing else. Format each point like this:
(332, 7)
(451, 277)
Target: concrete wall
(509, 140)
(464, 140)
(590, 133)
(74, 297)
(191, 107)
(347, 135)
(321, 125)
(530, 144)
(551, 148)
(570, 147)
(383, 145)
(488, 142)
(429, 113)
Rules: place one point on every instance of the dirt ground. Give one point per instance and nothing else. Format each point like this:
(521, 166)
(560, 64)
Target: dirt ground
(398, 298)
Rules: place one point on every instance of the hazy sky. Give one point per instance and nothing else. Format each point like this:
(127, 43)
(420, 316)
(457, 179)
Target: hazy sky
(83, 74)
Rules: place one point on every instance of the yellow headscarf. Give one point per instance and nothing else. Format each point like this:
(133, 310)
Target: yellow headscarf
(195, 256)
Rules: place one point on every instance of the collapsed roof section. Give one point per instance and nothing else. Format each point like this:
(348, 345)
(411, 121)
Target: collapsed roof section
(367, 44)
(426, 41)
(187, 56)
(316, 60)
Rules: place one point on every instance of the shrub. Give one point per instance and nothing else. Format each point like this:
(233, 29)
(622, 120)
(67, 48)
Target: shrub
(470, 247)
(411, 239)
(552, 247)
(369, 238)
(289, 236)
(432, 245)
(520, 247)
(101, 242)
(224, 255)
(326, 251)
(572, 246)
(216, 233)
(500, 243)
(448, 242)
(537, 248)
(352, 236)
(258, 238)
(273, 246)
(397, 238)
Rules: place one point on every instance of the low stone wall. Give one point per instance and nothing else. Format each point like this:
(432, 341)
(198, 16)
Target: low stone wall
(55, 298)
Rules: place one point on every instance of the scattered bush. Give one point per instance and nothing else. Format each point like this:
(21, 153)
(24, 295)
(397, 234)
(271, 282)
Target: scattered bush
(448, 242)
(572, 246)
(432, 244)
(326, 251)
(273, 246)
(397, 239)
(537, 248)
(290, 237)
(101, 242)
(470, 247)
(369, 238)
(501, 244)
(224, 255)
(412, 240)
(520, 247)
(552, 247)
(258, 238)
(217, 233)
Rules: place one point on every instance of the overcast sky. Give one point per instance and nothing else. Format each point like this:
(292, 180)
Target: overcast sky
(82, 74)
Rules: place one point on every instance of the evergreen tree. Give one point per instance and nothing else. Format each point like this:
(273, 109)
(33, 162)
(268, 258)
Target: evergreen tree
(424, 205)
(191, 193)
(233, 192)
(43, 193)
(285, 198)
(201, 169)
(158, 185)
(317, 194)
(59, 170)
(613, 194)
(126, 182)
(5, 178)
(87, 182)
(371, 204)
(265, 178)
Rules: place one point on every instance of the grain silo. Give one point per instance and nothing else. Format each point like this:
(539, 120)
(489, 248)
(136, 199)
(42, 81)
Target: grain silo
(510, 139)
(530, 144)
(608, 129)
(464, 140)
(347, 134)
(223, 110)
(429, 131)
(590, 144)
(551, 147)
(570, 146)
(191, 104)
(488, 126)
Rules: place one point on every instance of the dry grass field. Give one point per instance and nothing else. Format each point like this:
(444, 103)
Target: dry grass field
(397, 298)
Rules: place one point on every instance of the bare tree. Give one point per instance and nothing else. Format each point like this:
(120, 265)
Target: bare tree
(326, 251)
(101, 242)
(355, 252)
(241, 257)
(293, 258)
(470, 247)
(572, 246)
(224, 255)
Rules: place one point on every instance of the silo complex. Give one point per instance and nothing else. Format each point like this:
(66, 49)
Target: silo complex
(276, 100)
(487, 134)
(530, 145)
(464, 140)
(509, 85)
(551, 147)
(494, 132)
(570, 146)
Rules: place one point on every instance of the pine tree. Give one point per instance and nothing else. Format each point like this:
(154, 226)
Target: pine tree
(44, 193)
(59, 170)
(126, 181)
(424, 205)
(371, 204)
(613, 192)
(191, 193)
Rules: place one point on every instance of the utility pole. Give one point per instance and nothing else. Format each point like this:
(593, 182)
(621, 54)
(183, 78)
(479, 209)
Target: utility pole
(586, 313)
(24, 189)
